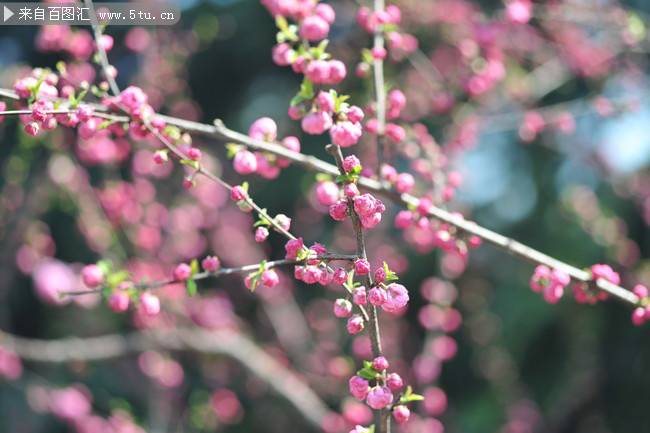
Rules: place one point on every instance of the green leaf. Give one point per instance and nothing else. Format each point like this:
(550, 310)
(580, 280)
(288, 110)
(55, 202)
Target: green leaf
(194, 265)
(116, 278)
(367, 374)
(322, 177)
(190, 163)
(306, 88)
(232, 149)
(190, 286)
(106, 266)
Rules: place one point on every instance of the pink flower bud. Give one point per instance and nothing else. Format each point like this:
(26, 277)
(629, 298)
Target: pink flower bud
(638, 316)
(263, 129)
(160, 157)
(92, 276)
(337, 72)
(238, 193)
(397, 298)
(318, 71)
(270, 278)
(351, 163)
(316, 123)
(327, 193)
(379, 397)
(119, 301)
(346, 134)
(401, 414)
(194, 154)
(245, 162)
(261, 233)
(395, 132)
(359, 296)
(342, 308)
(394, 382)
(326, 12)
(361, 267)
(403, 219)
(355, 324)
(350, 190)
(211, 263)
(32, 129)
(378, 53)
(314, 28)
(641, 291)
(339, 210)
(359, 387)
(182, 272)
(282, 54)
(150, 304)
(355, 114)
(292, 247)
(325, 101)
(404, 183)
(377, 296)
(340, 276)
(380, 275)
(380, 363)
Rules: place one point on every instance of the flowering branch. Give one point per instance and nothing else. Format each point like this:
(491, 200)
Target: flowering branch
(221, 132)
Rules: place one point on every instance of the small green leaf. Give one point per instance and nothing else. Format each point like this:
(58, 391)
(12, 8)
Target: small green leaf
(232, 149)
(190, 286)
(194, 265)
(367, 374)
(190, 163)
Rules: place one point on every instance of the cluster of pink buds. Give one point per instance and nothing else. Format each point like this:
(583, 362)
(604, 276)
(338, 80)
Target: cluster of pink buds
(329, 113)
(266, 165)
(641, 314)
(426, 234)
(396, 102)
(368, 208)
(584, 293)
(374, 384)
(403, 182)
(550, 283)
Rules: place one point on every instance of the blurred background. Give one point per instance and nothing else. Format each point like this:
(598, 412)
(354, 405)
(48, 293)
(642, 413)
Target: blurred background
(546, 120)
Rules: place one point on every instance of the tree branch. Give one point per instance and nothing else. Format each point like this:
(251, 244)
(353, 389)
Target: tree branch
(220, 342)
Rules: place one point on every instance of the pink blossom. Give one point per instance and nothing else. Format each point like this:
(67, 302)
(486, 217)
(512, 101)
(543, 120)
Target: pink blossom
(401, 414)
(92, 276)
(379, 397)
(380, 363)
(270, 278)
(326, 12)
(404, 183)
(351, 163)
(119, 301)
(359, 296)
(316, 123)
(327, 193)
(10, 365)
(325, 101)
(263, 129)
(358, 387)
(342, 308)
(314, 28)
(377, 296)
(394, 382)
(182, 272)
(149, 304)
(346, 134)
(355, 324)
(245, 162)
(361, 267)
(211, 263)
(261, 233)
(339, 210)
(397, 298)
(51, 279)
(292, 247)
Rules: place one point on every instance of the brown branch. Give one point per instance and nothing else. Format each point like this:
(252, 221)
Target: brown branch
(220, 342)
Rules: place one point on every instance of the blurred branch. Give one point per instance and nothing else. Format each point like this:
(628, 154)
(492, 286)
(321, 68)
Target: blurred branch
(221, 342)
(103, 58)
